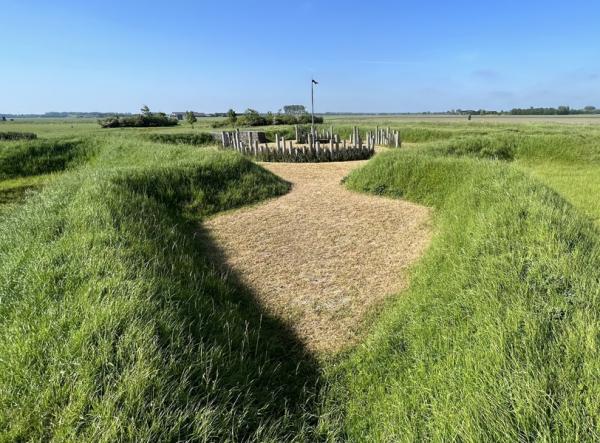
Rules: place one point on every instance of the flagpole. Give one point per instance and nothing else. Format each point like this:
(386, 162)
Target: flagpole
(312, 106)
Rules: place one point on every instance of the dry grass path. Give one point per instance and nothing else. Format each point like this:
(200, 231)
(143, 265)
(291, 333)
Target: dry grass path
(321, 256)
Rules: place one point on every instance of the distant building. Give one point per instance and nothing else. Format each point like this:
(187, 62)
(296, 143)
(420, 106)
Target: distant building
(181, 115)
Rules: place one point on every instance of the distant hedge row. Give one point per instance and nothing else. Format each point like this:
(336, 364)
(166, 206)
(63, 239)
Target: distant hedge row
(138, 121)
(200, 139)
(17, 136)
(253, 118)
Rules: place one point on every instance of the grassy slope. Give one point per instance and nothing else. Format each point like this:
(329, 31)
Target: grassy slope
(114, 326)
(569, 163)
(124, 331)
(565, 158)
(497, 337)
(27, 166)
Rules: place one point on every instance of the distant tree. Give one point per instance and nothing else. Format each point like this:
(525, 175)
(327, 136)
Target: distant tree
(190, 117)
(563, 110)
(589, 109)
(253, 118)
(294, 109)
(3, 118)
(232, 116)
(145, 110)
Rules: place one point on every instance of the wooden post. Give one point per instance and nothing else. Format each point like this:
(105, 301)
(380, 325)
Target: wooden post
(297, 135)
(277, 142)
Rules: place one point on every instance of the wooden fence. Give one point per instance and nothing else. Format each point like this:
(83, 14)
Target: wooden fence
(314, 150)
(322, 146)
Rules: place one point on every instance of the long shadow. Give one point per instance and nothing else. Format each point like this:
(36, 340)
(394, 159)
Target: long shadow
(297, 389)
(239, 365)
(246, 365)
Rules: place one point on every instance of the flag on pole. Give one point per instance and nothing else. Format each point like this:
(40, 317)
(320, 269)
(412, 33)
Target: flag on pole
(315, 82)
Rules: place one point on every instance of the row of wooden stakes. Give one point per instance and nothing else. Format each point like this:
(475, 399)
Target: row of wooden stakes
(315, 149)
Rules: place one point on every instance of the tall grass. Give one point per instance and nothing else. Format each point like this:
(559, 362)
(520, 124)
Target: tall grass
(198, 139)
(12, 135)
(496, 339)
(114, 326)
(20, 159)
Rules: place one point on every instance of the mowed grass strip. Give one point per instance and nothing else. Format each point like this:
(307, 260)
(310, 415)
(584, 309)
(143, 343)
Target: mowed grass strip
(497, 337)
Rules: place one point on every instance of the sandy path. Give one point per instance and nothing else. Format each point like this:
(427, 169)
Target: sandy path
(320, 256)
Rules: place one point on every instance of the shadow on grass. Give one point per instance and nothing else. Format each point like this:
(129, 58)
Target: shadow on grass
(246, 375)
(288, 390)
(16, 194)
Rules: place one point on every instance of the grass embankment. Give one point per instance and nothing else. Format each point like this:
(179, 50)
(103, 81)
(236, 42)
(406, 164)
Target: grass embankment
(497, 337)
(113, 325)
(569, 163)
(26, 166)
(566, 159)
(196, 139)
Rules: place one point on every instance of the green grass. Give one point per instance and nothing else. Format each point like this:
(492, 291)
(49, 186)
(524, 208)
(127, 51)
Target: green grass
(28, 158)
(197, 139)
(496, 339)
(579, 183)
(116, 326)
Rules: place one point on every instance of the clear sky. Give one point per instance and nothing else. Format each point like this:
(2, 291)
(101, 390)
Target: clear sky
(369, 56)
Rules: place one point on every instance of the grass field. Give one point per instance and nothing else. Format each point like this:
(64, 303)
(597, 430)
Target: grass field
(116, 326)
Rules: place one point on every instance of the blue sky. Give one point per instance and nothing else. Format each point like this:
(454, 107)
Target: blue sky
(369, 56)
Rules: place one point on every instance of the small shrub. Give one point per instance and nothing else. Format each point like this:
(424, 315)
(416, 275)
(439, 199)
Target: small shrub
(139, 121)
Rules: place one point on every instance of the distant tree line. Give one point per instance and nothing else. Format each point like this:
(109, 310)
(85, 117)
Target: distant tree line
(70, 115)
(561, 110)
(145, 119)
